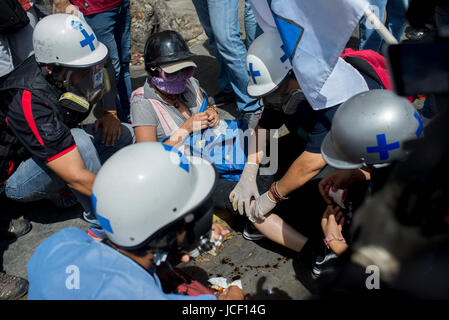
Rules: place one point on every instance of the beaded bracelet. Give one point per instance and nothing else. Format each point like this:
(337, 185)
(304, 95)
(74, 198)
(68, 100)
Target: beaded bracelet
(274, 191)
(328, 240)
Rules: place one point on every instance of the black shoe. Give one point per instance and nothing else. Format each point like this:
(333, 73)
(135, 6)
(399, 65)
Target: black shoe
(15, 228)
(323, 261)
(19, 227)
(12, 287)
(251, 233)
(222, 98)
(417, 33)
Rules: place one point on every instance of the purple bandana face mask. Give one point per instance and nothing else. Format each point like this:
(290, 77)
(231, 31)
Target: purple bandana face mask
(173, 83)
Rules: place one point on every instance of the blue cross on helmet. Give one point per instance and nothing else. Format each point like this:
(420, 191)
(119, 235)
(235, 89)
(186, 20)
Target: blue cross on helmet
(370, 129)
(165, 194)
(68, 42)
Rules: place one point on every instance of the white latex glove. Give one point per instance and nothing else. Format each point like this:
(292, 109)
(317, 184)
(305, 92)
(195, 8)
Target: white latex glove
(245, 189)
(262, 206)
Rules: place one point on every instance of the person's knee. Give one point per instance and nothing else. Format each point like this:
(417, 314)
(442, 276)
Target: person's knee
(17, 192)
(12, 190)
(127, 136)
(83, 140)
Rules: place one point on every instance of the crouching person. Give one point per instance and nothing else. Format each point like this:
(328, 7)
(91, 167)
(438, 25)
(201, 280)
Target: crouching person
(45, 100)
(163, 210)
(368, 134)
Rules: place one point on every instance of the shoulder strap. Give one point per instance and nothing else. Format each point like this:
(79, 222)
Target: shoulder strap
(167, 122)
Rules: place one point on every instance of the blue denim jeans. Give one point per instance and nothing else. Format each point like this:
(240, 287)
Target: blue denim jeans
(396, 23)
(252, 28)
(112, 28)
(34, 180)
(220, 21)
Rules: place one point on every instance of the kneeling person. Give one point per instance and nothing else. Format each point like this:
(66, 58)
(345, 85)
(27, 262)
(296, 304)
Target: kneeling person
(165, 208)
(45, 100)
(272, 80)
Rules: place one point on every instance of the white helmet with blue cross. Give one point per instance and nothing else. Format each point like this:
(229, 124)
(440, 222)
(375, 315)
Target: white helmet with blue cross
(68, 41)
(267, 64)
(370, 129)
(148, 192)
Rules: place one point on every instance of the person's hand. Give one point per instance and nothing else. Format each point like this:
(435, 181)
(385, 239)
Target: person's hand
(339, 179)
(198, 121)
(213, 117)
(261, 207)
(111, 128)
(232, 293)
(332, 224)
(219, 230)
(71, 9)
(245, 189)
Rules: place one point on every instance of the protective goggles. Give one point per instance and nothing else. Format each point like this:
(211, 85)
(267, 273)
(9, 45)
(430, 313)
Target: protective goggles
(185, 233)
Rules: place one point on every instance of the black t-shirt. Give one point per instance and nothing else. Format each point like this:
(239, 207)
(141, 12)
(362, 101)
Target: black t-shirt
(312, 125)
(37, 126)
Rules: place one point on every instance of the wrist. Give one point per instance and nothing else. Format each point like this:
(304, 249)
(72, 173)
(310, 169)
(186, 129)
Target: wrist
(331, 241)
(110, 112)
(272, 197)
(338, 247)
(275, 194)
(186, 128)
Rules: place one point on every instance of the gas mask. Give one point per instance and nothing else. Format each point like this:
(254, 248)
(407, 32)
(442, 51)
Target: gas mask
(285, 102)
(187, 234)
(85, 87)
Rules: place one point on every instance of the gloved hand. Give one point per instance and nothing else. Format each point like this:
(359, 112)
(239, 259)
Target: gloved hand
(262, 206)
(245, 189)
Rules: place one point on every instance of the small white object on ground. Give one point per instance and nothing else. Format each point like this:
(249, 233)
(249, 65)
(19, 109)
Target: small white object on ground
(221, 282)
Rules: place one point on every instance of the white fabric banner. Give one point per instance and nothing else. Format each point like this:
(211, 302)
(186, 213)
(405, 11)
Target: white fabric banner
(314, 34)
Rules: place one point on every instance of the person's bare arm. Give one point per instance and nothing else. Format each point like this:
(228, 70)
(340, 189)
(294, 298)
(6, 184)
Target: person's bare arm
(145, 133)
(71, 168)
(303, 169)
(148, 134)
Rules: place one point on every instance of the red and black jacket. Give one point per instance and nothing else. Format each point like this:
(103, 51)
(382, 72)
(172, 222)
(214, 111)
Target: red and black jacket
(32, 122)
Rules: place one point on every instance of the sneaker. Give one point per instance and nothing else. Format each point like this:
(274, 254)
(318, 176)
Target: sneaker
(63, 198)
(97, 234)
(322, 262)
(12, 287)
(316, 272)
(251, 233)
(13, 229)
(417, 33)
(19, 227)
(322, 259)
